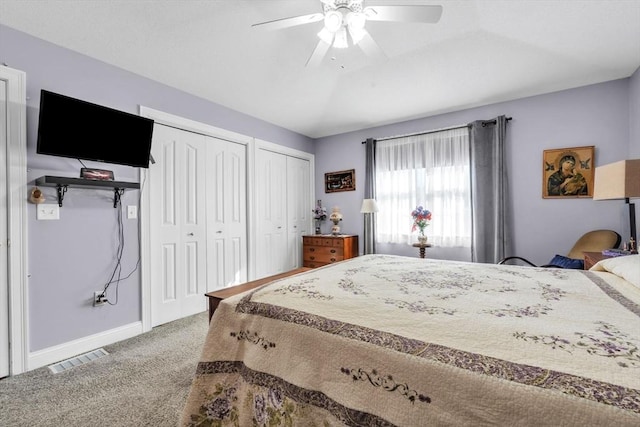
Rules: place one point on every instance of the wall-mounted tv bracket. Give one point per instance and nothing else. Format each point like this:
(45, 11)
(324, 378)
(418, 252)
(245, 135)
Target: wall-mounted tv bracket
(62, 183)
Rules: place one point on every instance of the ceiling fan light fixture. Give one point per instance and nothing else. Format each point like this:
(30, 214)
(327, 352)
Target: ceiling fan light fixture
(333, 21)
(326, 36)
(355, 23)
(356, 20)
(340, 41)
(356, 35)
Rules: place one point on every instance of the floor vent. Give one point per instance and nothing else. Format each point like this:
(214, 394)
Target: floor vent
(65, 365)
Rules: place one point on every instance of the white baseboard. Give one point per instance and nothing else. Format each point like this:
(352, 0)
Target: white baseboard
(47, 356)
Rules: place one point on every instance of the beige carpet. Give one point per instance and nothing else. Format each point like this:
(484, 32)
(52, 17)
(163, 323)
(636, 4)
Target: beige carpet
(143, 381)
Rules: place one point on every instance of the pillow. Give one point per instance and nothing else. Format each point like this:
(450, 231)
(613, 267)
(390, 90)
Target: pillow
(627, 267)
(564, 262)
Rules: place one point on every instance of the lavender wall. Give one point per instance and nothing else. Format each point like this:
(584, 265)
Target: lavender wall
(72, 257)
(593, 115)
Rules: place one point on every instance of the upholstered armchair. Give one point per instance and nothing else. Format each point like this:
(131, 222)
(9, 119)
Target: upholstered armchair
(593, 241)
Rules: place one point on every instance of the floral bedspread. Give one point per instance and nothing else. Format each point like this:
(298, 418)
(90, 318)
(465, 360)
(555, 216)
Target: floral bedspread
(389, 340)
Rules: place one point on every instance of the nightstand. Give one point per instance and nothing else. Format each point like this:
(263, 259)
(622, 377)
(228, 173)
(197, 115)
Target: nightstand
(591, 258)
(422, 247)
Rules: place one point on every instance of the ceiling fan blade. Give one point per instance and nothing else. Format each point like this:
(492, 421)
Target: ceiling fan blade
(290, 22)
(370, 47)
(425, 14)
(318, 54)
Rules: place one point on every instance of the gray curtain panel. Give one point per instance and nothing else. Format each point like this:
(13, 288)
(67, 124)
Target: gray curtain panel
(490, 217)
(369, 244)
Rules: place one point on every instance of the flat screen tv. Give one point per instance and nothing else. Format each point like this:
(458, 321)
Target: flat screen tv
(70, 127)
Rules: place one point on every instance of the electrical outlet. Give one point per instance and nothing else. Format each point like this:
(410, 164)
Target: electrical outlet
(132, 212)
(99, 298)
(47, 212)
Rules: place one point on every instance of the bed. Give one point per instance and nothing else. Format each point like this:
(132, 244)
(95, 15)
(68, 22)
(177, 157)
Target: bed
(382, 340)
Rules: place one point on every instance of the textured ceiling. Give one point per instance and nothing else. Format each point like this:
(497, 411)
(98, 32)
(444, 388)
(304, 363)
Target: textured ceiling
(481, 52)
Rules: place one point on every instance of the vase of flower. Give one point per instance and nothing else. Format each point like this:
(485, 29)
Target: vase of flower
(319, 214)
(421, 218)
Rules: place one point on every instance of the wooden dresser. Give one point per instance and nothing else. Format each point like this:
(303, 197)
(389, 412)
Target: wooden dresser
(321, 250)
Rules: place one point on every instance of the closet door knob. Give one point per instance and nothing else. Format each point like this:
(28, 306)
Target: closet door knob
(189, 234)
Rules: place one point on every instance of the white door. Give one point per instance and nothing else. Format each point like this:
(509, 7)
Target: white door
(178, 224)
(271, 213)
(4, 286)
(298, 209)
(226, 213)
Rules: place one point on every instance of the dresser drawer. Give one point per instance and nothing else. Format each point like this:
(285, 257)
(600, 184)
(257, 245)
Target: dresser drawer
(323, 253)
(322, 241)
(313, 264)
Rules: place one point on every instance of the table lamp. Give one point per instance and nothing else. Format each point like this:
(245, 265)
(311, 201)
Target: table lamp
(620, 180)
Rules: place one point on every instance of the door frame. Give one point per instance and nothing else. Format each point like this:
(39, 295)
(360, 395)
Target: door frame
(17, 218)
(182, 123)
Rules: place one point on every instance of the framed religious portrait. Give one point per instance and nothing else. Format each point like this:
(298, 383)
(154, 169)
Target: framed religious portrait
(340, 181)
(568, 173)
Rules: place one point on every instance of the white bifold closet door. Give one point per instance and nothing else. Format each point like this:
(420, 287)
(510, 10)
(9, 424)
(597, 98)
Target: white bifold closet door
(198, 220)
(226, 214)
(271, 198)
(298, 208)
(284, 203)
(178, 224)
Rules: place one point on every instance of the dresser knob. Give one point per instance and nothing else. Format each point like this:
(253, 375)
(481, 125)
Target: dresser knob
(333, 260)
(311, 249)
(312, 257)
(333, 251)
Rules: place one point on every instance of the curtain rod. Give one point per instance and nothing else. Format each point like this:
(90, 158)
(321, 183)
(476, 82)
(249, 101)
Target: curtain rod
(493, 122)
(418, 133)
(434, 131)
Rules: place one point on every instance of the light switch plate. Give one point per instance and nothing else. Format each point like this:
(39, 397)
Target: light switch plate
(47, 211)
(132, 212)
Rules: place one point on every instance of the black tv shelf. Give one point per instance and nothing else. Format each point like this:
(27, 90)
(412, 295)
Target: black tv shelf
(62, 183)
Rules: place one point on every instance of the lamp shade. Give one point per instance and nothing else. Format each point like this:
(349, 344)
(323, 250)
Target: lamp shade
(369, 206)
(619, 180)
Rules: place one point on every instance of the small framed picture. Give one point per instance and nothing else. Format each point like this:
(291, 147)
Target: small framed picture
(567, 173)
(340, 181)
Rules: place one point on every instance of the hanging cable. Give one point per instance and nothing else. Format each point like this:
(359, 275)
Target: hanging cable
(116, 275)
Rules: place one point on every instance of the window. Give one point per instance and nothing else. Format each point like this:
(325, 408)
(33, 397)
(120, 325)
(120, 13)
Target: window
(430, 170)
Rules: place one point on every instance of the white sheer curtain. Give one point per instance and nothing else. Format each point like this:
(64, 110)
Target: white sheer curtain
(429, 170)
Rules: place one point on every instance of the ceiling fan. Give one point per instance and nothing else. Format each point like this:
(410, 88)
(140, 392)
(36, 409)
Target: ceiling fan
(345, 20)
